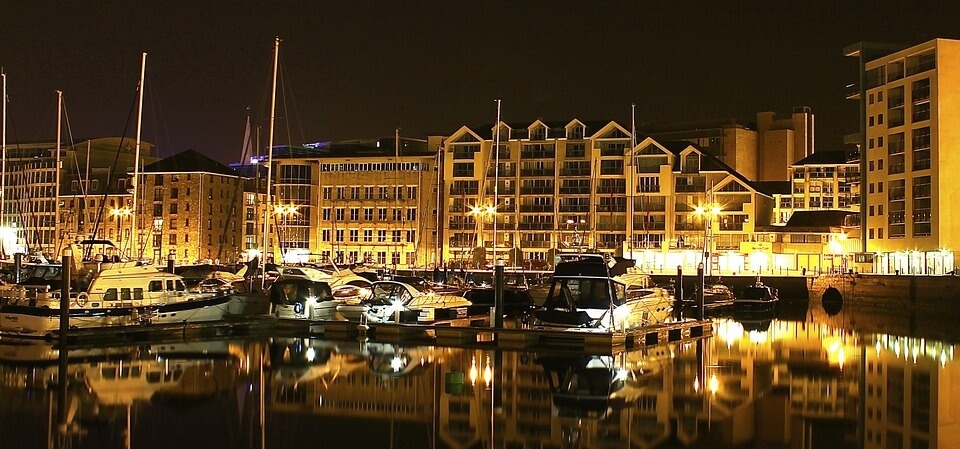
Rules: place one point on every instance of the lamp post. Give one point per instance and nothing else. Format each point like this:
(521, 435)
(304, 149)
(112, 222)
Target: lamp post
(120, 213)
(481, 213)
(284, 211)
(577, 239)
(707, 213)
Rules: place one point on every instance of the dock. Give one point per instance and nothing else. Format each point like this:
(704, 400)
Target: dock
(238, 326)
(476, 332)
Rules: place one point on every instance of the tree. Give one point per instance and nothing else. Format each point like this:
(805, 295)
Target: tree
(479, 257)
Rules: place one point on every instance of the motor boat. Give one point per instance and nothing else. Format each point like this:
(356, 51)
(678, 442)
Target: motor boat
(714, 294)
(758, 296)
(592, 291)
(302, 298)
(399, 301)
(125, 294)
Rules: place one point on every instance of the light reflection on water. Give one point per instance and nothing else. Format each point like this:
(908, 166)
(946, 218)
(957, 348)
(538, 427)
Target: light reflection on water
(754, 383)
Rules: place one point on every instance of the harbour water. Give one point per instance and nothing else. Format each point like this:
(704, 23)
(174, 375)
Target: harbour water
(795, 380)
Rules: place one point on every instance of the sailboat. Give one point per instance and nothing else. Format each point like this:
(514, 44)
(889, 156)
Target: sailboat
(124, 294)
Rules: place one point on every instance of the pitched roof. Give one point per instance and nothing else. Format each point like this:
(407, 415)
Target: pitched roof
(824, 158)
(818, 218)
(189, 161)
(773, 187)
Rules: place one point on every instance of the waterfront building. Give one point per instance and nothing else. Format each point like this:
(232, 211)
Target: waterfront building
(371, 201)
(195, 209)
(577, 185)
(908, 121)
(93, 177)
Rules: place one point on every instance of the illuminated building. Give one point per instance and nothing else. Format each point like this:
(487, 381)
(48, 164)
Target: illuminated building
(194, 208)
(908, 116)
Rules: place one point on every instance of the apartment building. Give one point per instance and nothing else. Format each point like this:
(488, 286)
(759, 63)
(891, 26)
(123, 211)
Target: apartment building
(908, 107)
(193, 208)
(577, 184)
(371, 201)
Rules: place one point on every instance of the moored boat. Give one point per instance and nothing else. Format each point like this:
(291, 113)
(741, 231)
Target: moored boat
(124, 294)
(757, 296)
(399, 301)
(586, 293)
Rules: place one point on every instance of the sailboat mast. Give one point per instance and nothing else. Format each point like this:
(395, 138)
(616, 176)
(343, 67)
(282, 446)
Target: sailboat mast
(496, 183)
(3, 170)
(633, 177)
(56, 174)
(136, 156)
(273, 109)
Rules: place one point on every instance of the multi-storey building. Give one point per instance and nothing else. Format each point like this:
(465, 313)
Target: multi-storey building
(583, 184)
(93, 178)
(194, 208)
(358, 201)
(908, 114)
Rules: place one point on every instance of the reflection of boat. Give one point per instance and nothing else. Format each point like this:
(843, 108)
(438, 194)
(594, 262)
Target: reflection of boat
(125, 294)
(588, 292)
(297, 360)
(390, 299)
(581, 387)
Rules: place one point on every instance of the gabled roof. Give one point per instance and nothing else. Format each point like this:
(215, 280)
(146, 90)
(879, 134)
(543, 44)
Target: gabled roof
(818, 218)
(824, 158)
(189, 161)
(773, 187)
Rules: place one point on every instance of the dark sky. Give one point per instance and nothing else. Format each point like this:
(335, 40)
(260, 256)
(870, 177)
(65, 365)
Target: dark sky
(359, 69)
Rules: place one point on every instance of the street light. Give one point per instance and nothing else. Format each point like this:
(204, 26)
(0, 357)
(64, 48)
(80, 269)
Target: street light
(577, 240)
(707, 213)
(482, 212)
(120, 213)
(284, 211)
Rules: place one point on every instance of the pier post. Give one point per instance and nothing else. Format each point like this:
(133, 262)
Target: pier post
(498, 294)
(66, 265)
(170, 259)
(678, 288)
(17, 267)
(700, 280)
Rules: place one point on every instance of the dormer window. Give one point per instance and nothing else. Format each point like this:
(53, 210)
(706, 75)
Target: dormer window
(576, 132)
(539, 133)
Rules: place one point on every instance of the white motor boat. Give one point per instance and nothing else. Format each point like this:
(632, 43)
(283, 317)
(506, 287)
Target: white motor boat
(585, 293)
(398, 301)
(122, 295)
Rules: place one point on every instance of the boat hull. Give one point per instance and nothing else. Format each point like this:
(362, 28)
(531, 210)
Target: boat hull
(41, 322)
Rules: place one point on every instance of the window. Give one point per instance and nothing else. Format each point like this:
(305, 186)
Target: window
(173, 209)
(397, 235)
(325, 235)
(326, 214)
(172, 239)
(327, 191)
(411, 214)
(340, 214)
(354, 235)
(339, 235)
(382, 235)
(354, 214)
(174, 192)
(368, 235)
(382, 213)
(411, 192)
(368, 213)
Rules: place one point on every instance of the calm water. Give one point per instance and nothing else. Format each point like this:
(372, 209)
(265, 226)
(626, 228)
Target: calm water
(804, 379)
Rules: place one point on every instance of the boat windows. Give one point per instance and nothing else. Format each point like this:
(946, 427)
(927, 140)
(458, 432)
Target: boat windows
(138, 294)
(155, 286)
(124, 294)
(110, 294)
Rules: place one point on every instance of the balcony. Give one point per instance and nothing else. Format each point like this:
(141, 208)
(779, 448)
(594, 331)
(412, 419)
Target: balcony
(538, 154)
(462, 226)
(536, 172)
(687, 188)
(535, 226)
(611, 207)
(896, 194)
(688, 226)
(921, 191)
(852, 91)
(574, 208)
(895, 147)
(612, 189)
(922, 215)
(921, 164)
(640, 206)
(539, 190)
(648, 188)
(500, 226)
(580, 190)
(463, 154)
(896, 218)
(501, 191)
(920, 95)
(921, 65)
(611, 226)
(895, 168)
(457, 191)
(509, 173)
(536, 208)
(574, 172)
(731, 226)
(895, 101)
(649, 226)
(535, 244)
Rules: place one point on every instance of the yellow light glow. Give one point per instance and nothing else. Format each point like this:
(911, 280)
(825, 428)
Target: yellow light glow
(713, 384)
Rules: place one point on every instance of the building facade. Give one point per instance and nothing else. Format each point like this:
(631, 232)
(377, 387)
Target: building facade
(909, 110)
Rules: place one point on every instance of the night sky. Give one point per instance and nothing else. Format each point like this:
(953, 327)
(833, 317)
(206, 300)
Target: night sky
(360, 69)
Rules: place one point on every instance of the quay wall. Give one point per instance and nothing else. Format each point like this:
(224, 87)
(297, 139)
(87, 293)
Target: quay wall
(892, 292)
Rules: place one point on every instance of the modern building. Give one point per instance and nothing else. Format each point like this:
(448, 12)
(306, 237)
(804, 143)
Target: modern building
(909, 113)
(370, 201)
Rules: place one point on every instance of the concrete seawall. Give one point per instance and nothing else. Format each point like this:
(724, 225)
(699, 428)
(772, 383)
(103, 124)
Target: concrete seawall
(922, 293)
(790, 288)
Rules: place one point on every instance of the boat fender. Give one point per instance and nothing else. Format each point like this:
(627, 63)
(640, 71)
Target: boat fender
(298, 308)
(81, 299)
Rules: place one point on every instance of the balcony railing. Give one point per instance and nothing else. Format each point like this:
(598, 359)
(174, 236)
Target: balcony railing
(502, 191)
(895, 168)
(574, 172)
(895, 147)
(646, 188)
(688, 226)
(535, 244)
(536, 172)
(611, 207)
(921, 164)
(896, 194)
(583, 190)
(500, 226)
(537, 154)
(922, 215)
(852, 91)
(464, 190)
(536, 190)
(574, 208)
(611, 226)
(921, 191)
(536, 208)
(731, 226)
(509, 173)
(691, 187)
(612, 189)
(649, 226)
(535, 226)
(640, 206)
(896, 218)
(921, 94)
(921, 66)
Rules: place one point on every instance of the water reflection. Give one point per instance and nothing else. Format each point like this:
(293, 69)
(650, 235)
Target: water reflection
(757, 382)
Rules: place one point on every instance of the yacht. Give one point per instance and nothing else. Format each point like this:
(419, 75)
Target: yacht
(123, 295)
(594, 291)
(390, 300)
(758, 296)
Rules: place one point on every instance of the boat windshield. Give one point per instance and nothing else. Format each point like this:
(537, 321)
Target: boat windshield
(389, 292)
(582, 293)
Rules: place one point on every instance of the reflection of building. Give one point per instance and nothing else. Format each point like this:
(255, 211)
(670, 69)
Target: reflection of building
(908, 126)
